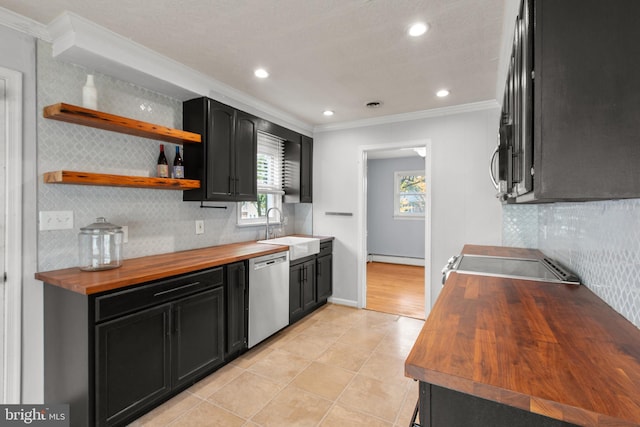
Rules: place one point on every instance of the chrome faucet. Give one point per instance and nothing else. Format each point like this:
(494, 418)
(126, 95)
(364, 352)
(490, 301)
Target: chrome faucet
(266, 232)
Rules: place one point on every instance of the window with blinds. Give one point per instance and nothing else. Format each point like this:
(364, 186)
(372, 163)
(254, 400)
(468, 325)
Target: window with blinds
(270, 160)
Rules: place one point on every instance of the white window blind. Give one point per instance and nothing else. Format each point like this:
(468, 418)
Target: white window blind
(270, 161)
(270, 189)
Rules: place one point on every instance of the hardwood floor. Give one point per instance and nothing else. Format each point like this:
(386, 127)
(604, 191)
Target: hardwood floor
(395, 289)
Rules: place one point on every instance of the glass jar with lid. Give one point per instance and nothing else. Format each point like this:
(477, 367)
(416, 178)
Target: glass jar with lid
(100, 246)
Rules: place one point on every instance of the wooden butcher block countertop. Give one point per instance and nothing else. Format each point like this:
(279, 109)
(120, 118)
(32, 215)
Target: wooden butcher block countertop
(140, 270)
(551, 349)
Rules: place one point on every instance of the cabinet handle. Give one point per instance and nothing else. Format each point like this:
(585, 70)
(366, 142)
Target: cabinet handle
(157, 294)
(231, 186)
(491, 163)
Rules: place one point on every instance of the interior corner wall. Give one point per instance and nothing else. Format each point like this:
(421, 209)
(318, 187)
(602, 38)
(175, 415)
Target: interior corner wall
(464, 209)
(18, 52)
(386, 234)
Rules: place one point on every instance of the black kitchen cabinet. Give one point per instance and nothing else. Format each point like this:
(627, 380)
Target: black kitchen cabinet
(310, 282)
(143, 356)
(198, 336)
(115, 355)
(324, 272)
(307, 280)
(298, 178)
(225, 161)
(443, 407)
(302, 285)
(132, 364)
(237, 308)
(569, 128)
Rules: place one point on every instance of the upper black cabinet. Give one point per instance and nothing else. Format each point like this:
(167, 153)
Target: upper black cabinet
(225, 162)
(298, 157)
(570, 128)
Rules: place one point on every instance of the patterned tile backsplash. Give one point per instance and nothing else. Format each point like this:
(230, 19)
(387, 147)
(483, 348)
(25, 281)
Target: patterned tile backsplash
(599, 241)
(158, 220)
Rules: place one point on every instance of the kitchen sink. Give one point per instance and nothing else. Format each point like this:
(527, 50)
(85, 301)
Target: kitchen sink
(299, 247)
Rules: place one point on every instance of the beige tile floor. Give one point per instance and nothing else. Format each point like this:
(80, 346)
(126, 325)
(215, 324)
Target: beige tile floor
(337, 367)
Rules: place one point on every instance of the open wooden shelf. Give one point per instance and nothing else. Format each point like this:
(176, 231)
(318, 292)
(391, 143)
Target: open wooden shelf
(88, 178)
(97, 119)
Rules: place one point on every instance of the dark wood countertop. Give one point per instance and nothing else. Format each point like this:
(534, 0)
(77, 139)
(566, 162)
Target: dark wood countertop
(551, 349)
(144, 269)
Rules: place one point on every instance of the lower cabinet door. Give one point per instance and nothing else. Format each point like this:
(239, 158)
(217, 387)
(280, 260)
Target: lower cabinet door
(309, 286)
(296, 280)
(237, 308)
(132, 364)
(198, 335)
(324, 279)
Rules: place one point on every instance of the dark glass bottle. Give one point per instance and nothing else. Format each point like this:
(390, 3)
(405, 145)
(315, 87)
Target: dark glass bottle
(178, 167)
(163, 165)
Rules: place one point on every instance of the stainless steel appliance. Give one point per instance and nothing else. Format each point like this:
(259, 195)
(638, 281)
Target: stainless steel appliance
(544, 270)
(513, 175)
(268, 296)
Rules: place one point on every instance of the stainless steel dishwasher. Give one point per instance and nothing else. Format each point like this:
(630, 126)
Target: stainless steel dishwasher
(268, 295)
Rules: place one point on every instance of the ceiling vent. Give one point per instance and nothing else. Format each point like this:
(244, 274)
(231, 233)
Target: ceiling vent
(374, 104)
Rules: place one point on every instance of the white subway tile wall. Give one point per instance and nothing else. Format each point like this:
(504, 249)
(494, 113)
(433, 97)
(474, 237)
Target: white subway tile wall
(158, 220)
(600, 241)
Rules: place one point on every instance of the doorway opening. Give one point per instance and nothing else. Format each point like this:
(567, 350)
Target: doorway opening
(392, 276)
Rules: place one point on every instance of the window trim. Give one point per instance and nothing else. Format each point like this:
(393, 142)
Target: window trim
(397, 194)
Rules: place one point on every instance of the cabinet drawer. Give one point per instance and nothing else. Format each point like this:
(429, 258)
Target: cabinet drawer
(326, 248)
(119, 303)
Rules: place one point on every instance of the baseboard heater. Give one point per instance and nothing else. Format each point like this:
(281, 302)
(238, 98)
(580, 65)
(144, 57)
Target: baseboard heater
(392, 259)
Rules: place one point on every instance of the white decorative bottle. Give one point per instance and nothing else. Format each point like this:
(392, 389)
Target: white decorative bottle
(89, 94)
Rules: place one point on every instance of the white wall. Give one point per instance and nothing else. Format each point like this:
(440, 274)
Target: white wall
(464, 209)
(386, 234)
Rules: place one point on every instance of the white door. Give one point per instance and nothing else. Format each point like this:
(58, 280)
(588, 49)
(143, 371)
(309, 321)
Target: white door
(3, 226)
(10, 234)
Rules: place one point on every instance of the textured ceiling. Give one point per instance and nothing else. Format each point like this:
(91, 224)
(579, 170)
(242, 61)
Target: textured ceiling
(321, 54)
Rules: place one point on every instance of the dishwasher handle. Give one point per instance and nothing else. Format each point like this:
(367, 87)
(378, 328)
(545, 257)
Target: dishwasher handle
(258, 265)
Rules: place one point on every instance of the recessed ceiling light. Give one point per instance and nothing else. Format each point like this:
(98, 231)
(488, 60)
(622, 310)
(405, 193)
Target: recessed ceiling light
(261, 73)
(418, 29)
(442, 93)
(328, 113)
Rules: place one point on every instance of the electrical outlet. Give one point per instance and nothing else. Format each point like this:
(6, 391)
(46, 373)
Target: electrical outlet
(199, 226)
(125, 233)
(56, 220)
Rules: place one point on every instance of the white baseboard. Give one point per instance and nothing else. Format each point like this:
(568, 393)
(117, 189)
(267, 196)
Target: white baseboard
(340, 301)
(396, 260)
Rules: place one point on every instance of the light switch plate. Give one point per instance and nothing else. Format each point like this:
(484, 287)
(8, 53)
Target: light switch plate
(56, 220)
(199, 227)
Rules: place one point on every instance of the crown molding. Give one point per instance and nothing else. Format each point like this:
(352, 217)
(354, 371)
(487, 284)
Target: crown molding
(23, 24)
(416, 115)
(80, 41)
